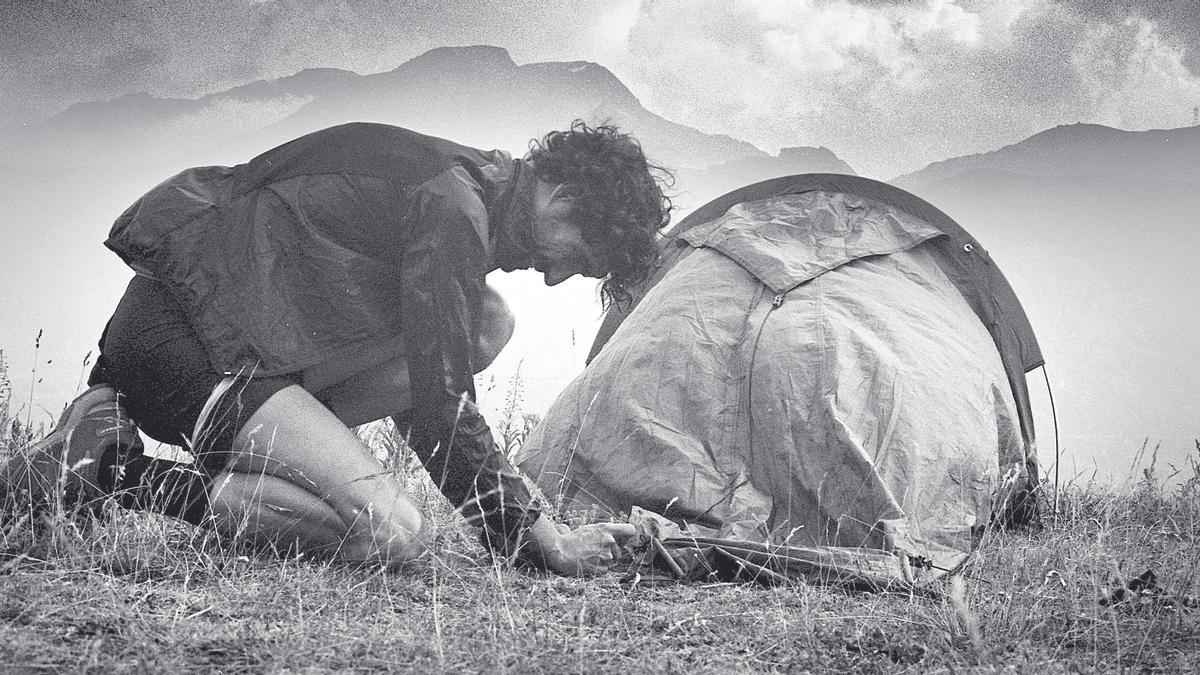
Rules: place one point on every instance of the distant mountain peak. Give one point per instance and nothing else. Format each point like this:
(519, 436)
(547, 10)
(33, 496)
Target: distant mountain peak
(809, 154)
(734, 173)
(585, 77)
(790, 160)
(471, 57)
(113, 113)
(1076, 150)
(319, 75)
(310, 82)
(1074, 132)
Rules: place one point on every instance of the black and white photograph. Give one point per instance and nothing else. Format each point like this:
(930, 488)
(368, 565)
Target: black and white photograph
(594, 336)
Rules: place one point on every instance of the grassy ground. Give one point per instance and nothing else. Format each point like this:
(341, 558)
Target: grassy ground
(141, 593)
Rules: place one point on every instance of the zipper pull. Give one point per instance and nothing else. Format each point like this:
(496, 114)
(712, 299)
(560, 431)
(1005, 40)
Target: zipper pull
(777, 300)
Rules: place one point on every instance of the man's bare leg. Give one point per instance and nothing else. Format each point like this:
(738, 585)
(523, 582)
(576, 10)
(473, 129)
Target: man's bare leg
(272, 511)
(302, 478)
(299, 469)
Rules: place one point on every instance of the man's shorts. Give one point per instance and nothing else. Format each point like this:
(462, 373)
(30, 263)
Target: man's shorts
(151, 354)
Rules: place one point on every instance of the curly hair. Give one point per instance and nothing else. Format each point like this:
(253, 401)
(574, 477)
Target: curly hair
(618, 198)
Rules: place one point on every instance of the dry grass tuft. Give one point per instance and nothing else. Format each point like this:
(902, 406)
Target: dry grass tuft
(139, 592)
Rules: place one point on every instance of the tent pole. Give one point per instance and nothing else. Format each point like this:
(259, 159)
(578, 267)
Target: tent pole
(1057, 451)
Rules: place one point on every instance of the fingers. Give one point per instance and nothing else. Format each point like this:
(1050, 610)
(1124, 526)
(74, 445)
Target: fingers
(617, 534)
(598, 547)
(600, 561)
(589, 549)
(621, 532)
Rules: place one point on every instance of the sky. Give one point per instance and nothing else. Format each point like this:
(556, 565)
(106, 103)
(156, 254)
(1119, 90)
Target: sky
(889, 86)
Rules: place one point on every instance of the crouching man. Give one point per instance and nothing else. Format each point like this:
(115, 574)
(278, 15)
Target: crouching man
(335, 280)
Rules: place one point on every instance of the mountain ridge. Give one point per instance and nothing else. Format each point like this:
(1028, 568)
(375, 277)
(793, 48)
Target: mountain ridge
(476, 95)
(1080, 149)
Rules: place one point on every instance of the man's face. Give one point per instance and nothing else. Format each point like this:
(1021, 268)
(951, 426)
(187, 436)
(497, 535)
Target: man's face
(559, 251)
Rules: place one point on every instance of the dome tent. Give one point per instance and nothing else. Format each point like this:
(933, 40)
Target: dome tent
(825, 376)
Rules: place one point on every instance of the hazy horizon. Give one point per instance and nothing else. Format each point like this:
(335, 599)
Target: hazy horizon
(889, 87)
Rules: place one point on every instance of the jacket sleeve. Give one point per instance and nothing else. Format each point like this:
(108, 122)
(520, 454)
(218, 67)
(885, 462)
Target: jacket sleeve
(442, 277)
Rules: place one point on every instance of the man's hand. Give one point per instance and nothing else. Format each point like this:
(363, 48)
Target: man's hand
(589, 549)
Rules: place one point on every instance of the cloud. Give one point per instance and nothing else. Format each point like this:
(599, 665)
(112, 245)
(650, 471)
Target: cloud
(892, 86)
(1177, 21)
(1133, 76)
(66, 52)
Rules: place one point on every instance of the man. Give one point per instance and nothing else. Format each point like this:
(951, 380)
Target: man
(334, 280)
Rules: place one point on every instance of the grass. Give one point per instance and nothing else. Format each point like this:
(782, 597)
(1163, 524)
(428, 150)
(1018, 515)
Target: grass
(143, 593)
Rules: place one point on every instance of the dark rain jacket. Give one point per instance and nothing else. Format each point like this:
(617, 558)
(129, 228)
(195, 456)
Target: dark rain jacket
(334, 242)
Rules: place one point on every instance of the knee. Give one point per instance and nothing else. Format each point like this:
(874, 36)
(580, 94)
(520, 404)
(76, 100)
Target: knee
(268, 510)
(408, 542)
(391, 536)
(496, 328)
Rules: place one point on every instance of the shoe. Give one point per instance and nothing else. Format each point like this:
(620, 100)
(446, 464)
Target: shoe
(93, 432)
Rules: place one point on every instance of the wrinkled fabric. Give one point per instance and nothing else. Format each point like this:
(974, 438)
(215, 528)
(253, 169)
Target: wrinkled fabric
(965, 262)
(805, 375)
(339, 241)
